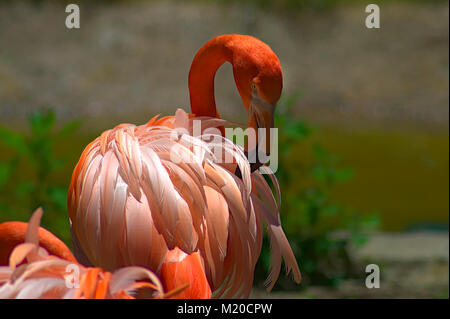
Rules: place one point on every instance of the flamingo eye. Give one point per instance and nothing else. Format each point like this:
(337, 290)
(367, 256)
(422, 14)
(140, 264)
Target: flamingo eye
(253, 86)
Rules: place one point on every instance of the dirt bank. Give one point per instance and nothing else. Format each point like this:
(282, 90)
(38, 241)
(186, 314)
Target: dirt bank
(132, 60)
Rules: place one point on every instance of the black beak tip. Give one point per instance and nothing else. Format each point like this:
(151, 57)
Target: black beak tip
(238, 172)
(253, 167)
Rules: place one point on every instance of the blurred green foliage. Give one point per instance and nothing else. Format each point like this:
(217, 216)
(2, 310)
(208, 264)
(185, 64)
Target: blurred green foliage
(27, 174)
(322, 232)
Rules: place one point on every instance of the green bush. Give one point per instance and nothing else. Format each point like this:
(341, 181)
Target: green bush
(321, 231)
(28, 169)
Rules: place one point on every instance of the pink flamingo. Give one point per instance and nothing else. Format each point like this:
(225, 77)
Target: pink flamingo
(131, 203)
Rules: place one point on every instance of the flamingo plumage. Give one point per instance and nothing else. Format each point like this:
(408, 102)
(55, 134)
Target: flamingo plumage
(13, 233)
(131, 203)
(38, 265)
(34, 272)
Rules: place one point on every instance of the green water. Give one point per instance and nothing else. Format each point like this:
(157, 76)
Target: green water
(401, 174)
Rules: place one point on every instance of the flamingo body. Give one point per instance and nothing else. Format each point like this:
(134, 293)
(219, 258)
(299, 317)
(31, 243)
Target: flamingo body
(130, 205)
(32, 273)
(160, 196)
(139, 193)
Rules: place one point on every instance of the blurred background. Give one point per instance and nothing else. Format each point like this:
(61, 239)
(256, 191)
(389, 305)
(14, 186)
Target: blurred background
(363, 121)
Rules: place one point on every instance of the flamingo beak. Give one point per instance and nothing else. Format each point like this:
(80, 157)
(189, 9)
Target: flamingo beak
(264, 122)
(261, 120)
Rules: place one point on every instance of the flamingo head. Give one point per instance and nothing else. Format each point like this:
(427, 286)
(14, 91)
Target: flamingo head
(258, 76)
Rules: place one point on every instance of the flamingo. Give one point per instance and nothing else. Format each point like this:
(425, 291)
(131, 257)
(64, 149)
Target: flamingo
(133, 200)
(38, 264)
(13, 233)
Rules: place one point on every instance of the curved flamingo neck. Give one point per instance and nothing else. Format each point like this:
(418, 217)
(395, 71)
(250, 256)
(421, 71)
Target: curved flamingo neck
(201, 75)
(14, 233)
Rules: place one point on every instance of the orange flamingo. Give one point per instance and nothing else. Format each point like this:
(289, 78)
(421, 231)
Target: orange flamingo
(13, 234)
(133, 200)
(37, 267)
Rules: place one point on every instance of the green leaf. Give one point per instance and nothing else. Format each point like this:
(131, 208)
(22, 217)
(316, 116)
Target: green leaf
(14, 140)
(58, 195)
(295, 129)
(331, 210)
(343, 175)
(24, 189)
(5, 173)
(319, 152)
(359, 239)
(320, 173)
(68, 129)
(42, 123)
